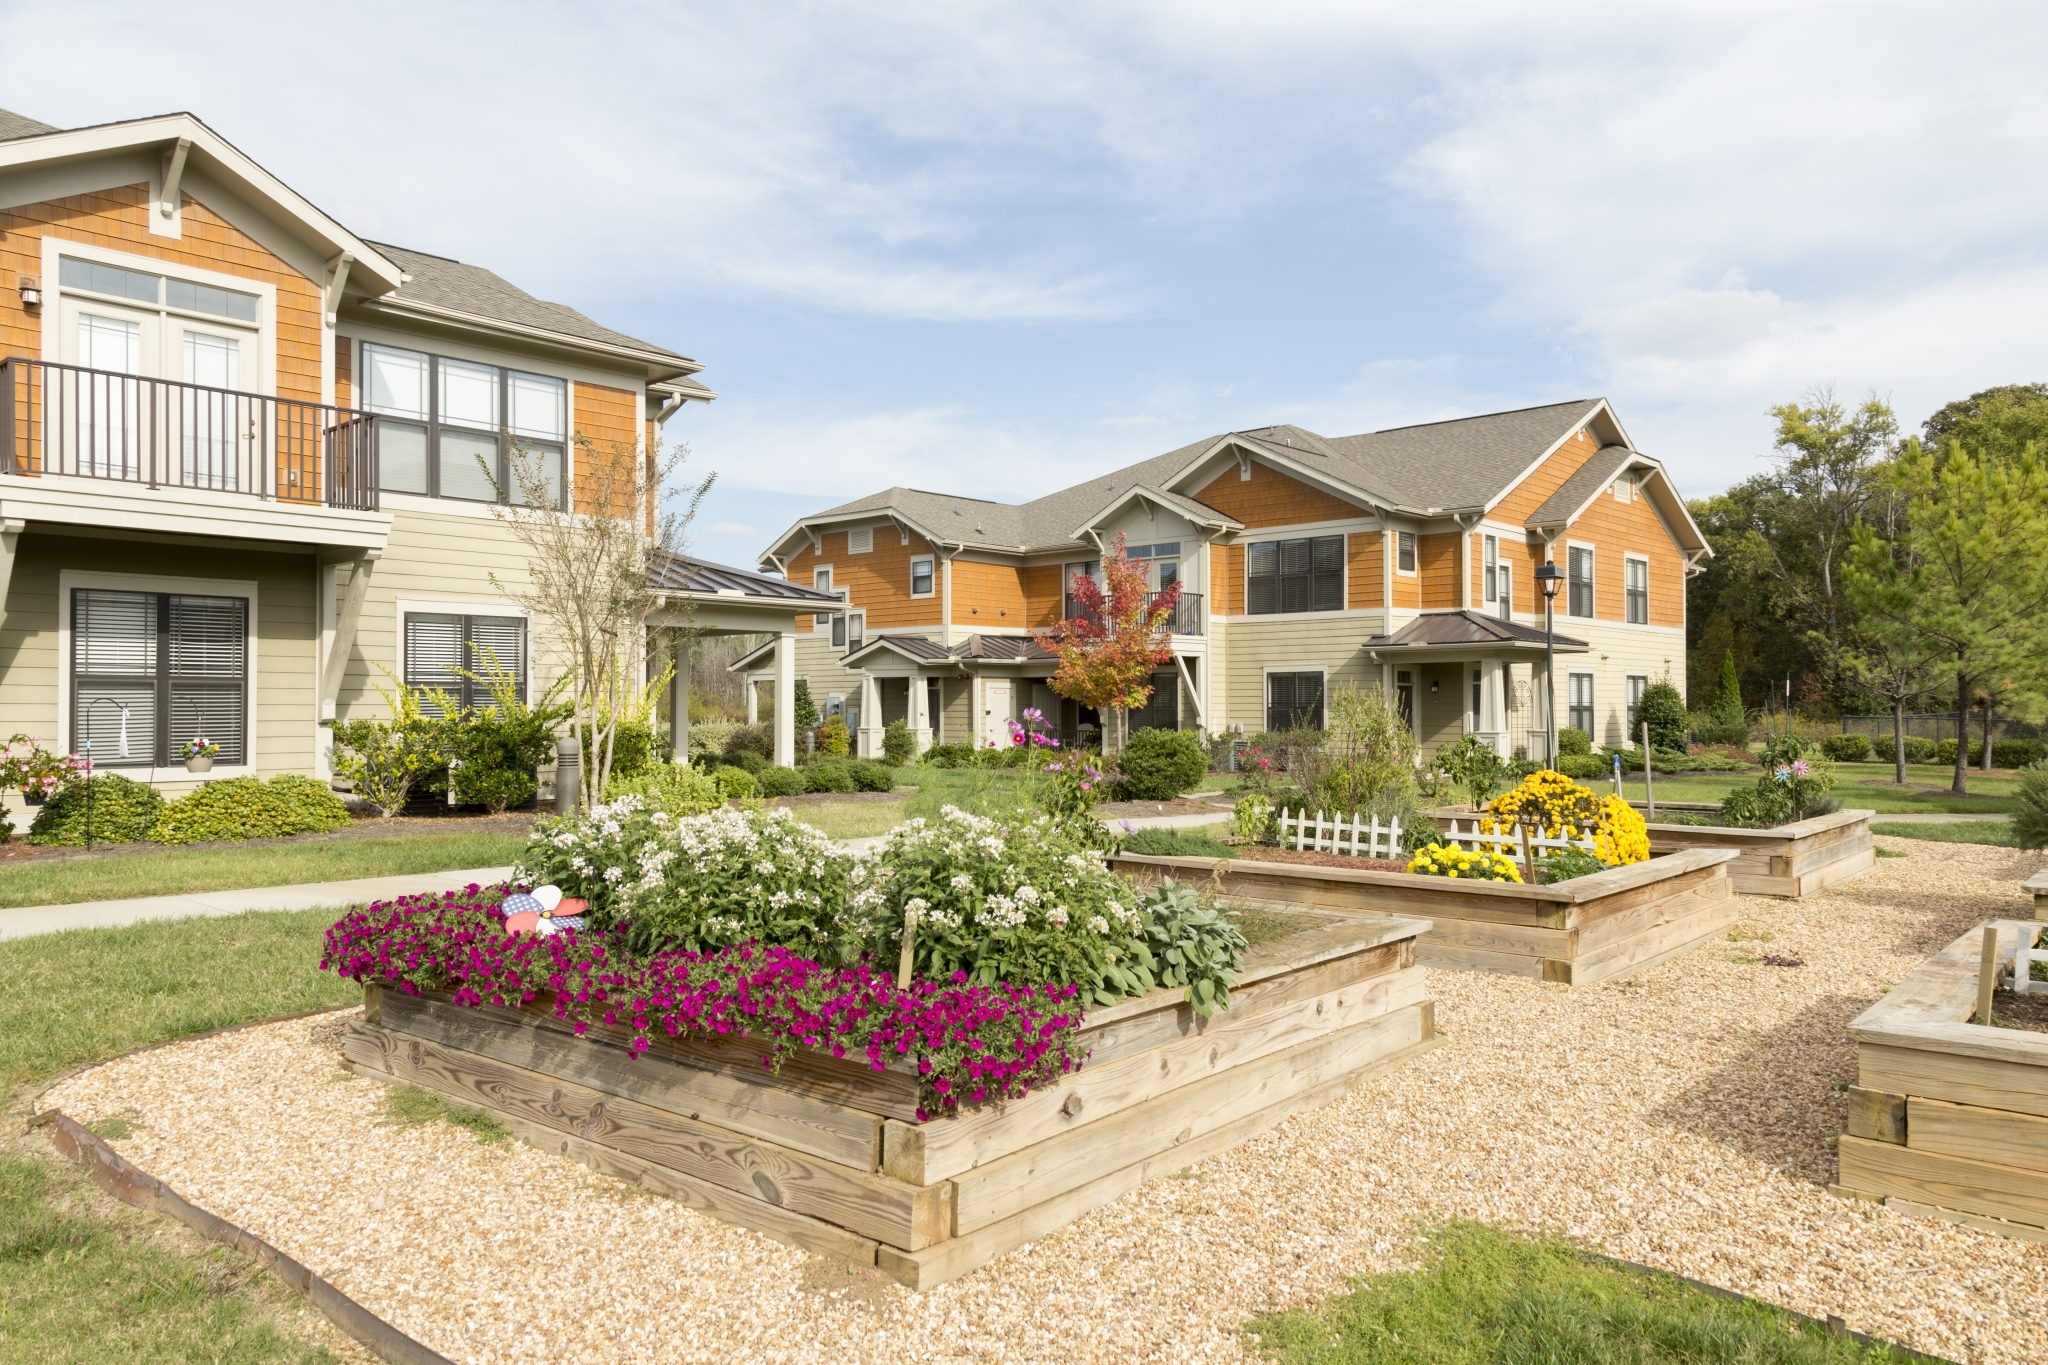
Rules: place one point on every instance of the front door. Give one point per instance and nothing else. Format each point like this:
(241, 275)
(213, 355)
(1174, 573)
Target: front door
(995, 713)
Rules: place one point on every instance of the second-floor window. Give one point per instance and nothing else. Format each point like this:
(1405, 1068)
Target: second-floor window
(453, 428)
(849, 630)
(1492, 568)
(921, 577)
(1638, 592)
(1579, 577)
(1404, 551)
(1162, 563)
(1294, 575)
(1070, 608)
(821, 579)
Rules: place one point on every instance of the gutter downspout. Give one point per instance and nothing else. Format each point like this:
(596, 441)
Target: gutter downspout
(946, 596)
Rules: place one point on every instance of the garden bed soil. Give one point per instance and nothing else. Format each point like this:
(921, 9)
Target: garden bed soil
(1267, 853)
(365, 827)
(1949, 1118)
(1685, 1119)
(1604, 927)
(829, 1155)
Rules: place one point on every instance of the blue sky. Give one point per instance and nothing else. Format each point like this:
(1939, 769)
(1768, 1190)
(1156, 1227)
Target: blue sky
(992, 249)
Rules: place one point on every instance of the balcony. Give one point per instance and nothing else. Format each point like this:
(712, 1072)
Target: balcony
(1187, 612)
(157, 434)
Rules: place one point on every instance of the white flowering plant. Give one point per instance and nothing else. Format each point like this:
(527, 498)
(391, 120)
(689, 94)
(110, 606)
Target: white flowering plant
(594, 853)
(1019, 903)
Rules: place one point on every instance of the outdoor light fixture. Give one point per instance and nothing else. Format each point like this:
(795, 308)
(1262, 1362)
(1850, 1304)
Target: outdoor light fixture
(31, 291)
(1548, 576)
(1434, 684)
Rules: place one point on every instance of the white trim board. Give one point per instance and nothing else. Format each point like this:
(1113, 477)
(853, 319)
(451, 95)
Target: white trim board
(67, 579)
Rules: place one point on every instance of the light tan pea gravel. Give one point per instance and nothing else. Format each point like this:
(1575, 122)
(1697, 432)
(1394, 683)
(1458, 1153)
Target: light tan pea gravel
(1685, 1119)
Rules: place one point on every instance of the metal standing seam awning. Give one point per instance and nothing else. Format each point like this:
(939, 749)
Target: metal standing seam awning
(1457, 634)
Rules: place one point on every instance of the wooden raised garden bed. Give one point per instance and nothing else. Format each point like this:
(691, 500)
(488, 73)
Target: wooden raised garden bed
(1790, 861)
(1949, 1118)
(827, 1155)
(2036, 886)
(1591, 929)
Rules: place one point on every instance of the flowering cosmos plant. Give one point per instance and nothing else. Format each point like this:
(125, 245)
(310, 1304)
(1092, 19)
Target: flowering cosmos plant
(968, 1043)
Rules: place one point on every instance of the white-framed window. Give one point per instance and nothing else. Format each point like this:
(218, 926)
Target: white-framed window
(458, 429)
(1492, 568)
(1294, 700)
(1581, 702)
(1638, 683)
(1638, 589)
(849, 630)
(442, 648)
(1579, 580)
(821, 579)
(1506, 584)
(922, 576)
(1404, 552)
(860, 540)
(1162, 563)
(1091, 569)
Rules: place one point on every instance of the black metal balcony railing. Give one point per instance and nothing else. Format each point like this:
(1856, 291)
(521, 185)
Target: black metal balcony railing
(1187, 612)
(159, 433)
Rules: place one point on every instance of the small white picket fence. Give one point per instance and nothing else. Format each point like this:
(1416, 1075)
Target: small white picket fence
(1320, 833)
(1514, 840)
(2025, 957)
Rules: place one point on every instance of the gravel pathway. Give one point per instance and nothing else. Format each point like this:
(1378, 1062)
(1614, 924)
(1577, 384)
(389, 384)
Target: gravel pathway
(1685, 1119)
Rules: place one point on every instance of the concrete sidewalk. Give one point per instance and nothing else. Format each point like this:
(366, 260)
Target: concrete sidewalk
(32, 920)
(1938, 818)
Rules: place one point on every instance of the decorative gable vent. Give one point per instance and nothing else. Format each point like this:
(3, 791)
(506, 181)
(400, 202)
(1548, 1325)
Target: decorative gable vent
(1624, 488)
(861, 541)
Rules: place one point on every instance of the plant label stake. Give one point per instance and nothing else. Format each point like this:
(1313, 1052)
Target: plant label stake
(1987, 973)
(1528, 863)
(909, 948)
(1649, 781)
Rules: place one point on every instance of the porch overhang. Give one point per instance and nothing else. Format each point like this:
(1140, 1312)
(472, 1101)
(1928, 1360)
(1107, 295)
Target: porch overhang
(1467, 634)
(54, 502)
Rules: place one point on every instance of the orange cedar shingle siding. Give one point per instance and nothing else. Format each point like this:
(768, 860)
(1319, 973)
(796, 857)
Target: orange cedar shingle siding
(988, 596)
(1615, 530)
(1367, 571)
(1044, 594)
(1226, 579)
(1436, 559)
(118, 219)
(605, 418)
(878, 581)
(1407, 587)
(344, 372)
(1545, 479)
(1270, 498)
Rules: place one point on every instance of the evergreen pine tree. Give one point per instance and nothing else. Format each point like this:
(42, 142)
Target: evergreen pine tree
(1729, 724)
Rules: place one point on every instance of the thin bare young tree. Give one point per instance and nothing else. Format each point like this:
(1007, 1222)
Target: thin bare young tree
(590, 551)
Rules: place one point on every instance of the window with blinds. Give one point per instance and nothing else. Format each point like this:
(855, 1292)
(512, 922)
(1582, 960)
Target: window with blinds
(1294, 575)
(440, 648)
(153, 670)
(1294, 701)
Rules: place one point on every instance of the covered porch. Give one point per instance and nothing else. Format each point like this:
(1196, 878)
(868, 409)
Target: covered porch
(1454, 673)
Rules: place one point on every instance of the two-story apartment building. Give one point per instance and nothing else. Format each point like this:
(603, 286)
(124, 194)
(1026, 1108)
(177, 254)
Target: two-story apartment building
(1401, 559)
(249, 461)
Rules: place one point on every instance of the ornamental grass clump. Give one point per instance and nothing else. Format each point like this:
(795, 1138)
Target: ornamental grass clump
(969, 1044)
(1553, 805)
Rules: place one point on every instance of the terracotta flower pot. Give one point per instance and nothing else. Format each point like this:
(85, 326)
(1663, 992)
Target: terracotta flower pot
(201, 764)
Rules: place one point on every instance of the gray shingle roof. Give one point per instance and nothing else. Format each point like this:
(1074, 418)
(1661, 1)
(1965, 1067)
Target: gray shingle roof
(1465, 627)
(1466, 463)
(13, 125)
(1588, 479)
(443, 283)
(687, 573)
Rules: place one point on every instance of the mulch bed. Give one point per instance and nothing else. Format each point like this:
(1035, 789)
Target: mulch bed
(1183, 805)
(365, 827)
(1264, 853)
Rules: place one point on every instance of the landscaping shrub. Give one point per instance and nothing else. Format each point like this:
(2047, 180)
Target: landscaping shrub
(804, 715)
(1158, 765)
(1197, 947)
(833, 774)
(497, 747)
(736, 784)
(756, 740)
(776, 782)
(747, 761)
(2018, 753)
(1568, 864)
(870, 776)
(2030, 821)
(249, 808)
(632, 749)
(1476, 766)
(1176, 843)
(1564, 809)
(1585, 767)
(1448, 860)
(948, 755)
(899, 743)
(833, 739)
(383, 760)
(674, 788)
(2005, 753)
(1252, 817)
(122, 812)
(1919, 750)
(1571, 742)
(711, 736)
(1663, 710)
(1727, 722)
(1850, 748)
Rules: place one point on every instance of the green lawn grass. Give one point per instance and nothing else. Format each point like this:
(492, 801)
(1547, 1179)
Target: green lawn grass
(1862, 786)
(1485, 1297)
(860, 820)
(1999, 833)
(83, 1279)
(170, 871)
(84, 995)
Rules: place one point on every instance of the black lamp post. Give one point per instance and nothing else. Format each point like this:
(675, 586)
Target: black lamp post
(1548, 576)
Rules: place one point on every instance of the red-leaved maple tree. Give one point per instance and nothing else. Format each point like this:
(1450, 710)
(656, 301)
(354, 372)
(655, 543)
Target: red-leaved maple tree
(1119, 633)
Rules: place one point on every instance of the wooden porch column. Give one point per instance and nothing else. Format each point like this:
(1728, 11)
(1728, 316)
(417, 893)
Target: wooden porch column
(870, 745)
(785, 699)
(684, 647)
